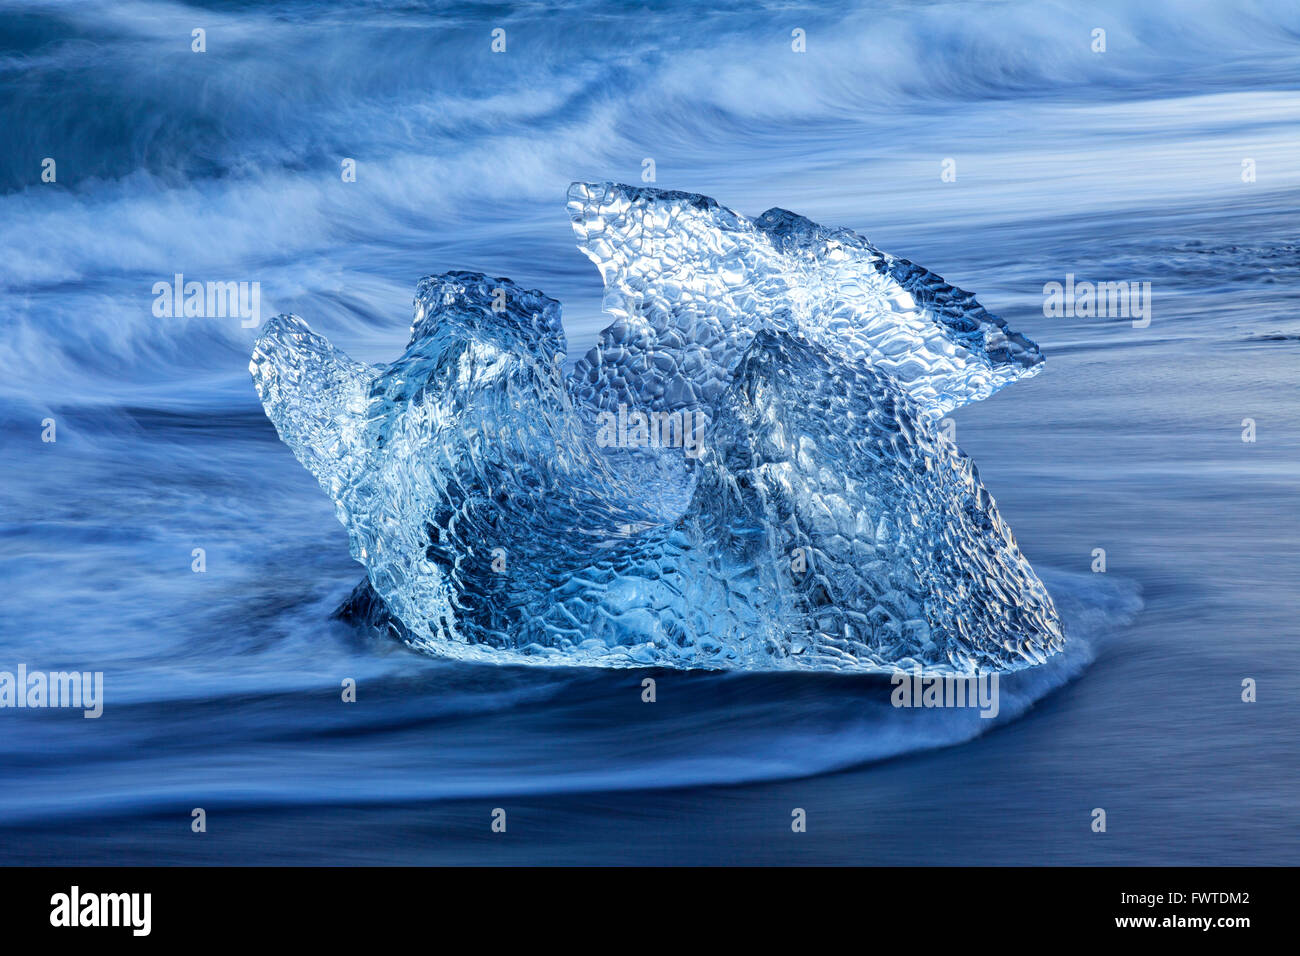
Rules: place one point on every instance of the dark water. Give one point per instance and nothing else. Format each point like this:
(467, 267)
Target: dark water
(222, 689)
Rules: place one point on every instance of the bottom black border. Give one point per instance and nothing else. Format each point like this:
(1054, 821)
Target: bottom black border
(931, 905)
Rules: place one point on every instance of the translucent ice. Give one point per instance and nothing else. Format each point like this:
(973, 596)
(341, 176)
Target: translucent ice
(690, 283)
(822, 522)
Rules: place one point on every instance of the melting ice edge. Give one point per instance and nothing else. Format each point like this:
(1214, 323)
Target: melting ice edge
(823, 521)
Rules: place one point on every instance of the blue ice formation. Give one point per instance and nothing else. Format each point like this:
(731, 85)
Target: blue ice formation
(746, 471)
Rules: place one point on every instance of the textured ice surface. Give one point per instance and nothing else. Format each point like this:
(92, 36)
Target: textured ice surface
(690, 283)
(826, 523)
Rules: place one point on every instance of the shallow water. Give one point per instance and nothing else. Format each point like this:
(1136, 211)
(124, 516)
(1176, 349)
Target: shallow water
(223, 688)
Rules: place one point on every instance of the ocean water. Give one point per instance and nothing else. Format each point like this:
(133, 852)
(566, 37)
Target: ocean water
(222, 688)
